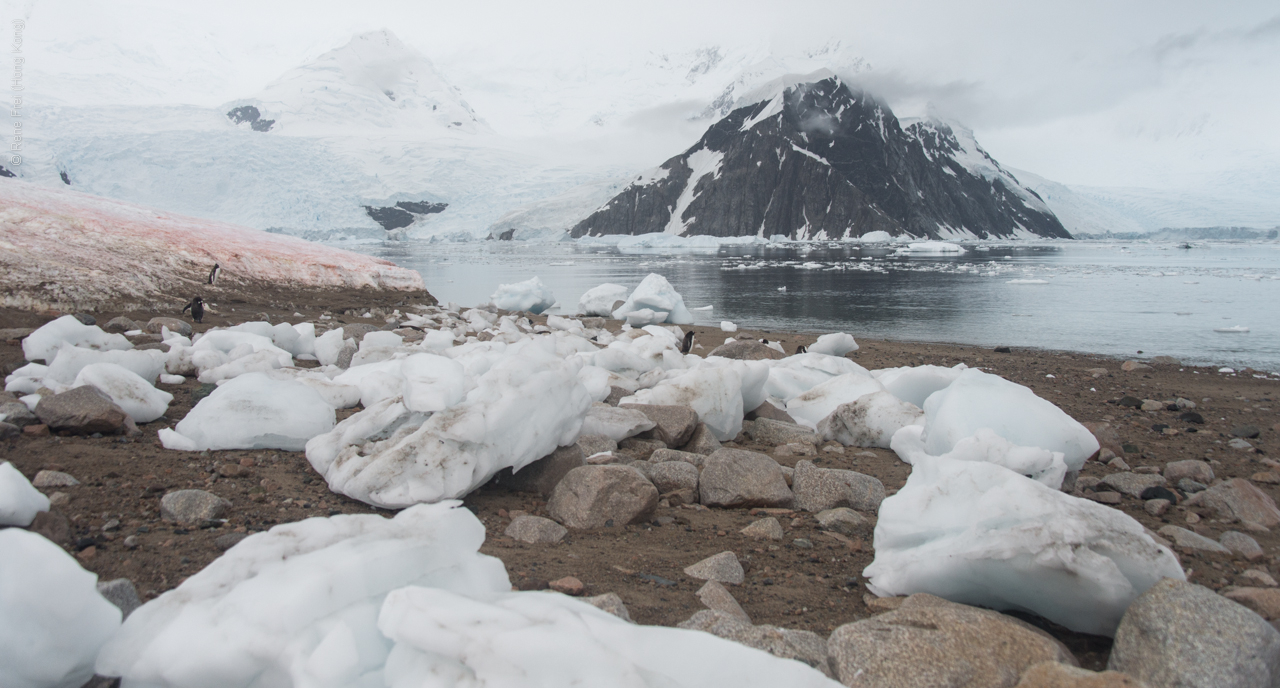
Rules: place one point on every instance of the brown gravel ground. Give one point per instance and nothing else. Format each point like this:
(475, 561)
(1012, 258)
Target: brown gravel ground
(816, 588)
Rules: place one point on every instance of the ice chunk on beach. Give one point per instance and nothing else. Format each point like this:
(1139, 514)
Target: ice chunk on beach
(523, 407)
(869, 421)
(980, 534)
(530, 295)
(980, 400)
(254, 411)
(795, 375)
(811, 407)
(433, 383)
(599, 301)
(726, 326)
(1041, 465)
(44, 343)
(715, 393)
(834, 344)
(300, 602)
(656, 294)
(914, 384)
(131, 393)
(548, 639)
(69, 360)
(54, 619)
(19, 501)
(328, 346)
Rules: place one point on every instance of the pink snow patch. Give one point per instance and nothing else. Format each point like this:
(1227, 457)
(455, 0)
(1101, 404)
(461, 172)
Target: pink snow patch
(62, 246)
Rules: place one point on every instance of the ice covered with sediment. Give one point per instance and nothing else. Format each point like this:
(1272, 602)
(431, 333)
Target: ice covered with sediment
(871, 420)
(134, 395)
(530, 295)
(715, 393)
(810, 407)
(655, 293)
(253, 411)
(977, 533)
(43, 344)
(1041, 465)
(834, 344)
(19, 501)
(795, 375)
(600, 300)
(977, 400)
(525, 403)
(914, 384)
(365, 601)
(52, 618)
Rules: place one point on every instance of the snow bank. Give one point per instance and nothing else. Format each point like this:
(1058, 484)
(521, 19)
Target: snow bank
(980, 534)
(253, 411)
(655, 293)
(54, 620)
(67, 250)
(530, 295)
(19, 501)
(979, 400)
(134, 395)
(599, 301)
(834, 344)
(43, 344)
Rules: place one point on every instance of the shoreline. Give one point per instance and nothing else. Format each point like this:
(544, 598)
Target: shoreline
(122, 479)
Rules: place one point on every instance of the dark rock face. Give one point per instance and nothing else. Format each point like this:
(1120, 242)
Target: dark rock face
(403, 213)
(823, 161)
(65, 179)
(250, 114)
(5, 172)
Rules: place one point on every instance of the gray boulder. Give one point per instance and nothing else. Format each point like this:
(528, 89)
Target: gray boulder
(702, 442)
(1233, 500)
(776, 432)
(673, 425)
(17, 413)
(1182, 634)
(82, 410)
(820, 489)
(535, 530)
(192, 507)
(670, 476)
(599, 496)
(176, 326)
(739, 478)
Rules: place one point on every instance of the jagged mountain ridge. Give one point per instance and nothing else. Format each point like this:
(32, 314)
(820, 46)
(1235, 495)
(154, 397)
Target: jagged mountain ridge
(821, 160)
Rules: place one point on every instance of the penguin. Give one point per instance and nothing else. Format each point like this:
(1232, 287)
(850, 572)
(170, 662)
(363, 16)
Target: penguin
(213, 274)
(687, 345)
(802, 349)
(197, 308)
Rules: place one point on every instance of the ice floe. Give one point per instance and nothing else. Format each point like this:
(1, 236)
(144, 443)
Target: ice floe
(656, 295)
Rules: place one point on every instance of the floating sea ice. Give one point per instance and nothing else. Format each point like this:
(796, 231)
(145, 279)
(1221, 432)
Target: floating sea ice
(795, 375)
(55, 620)
(527, 404)
(530, 295)
(1027, 281)
(253, 411)
(811, 407)
(869, 421)
(727, 326)
(878, 236)
(715, 393)
(914, 384)
(979, 400)
(599, 301)
(932, 248)
(19, 501)
(44, 343)
(131, 393)
(834, 344)
(655, 293)
(1232, 329)
(300, 602)
(1041, 465)
(980, 534)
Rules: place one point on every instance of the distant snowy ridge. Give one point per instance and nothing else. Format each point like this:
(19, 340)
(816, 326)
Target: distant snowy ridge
(68, 250)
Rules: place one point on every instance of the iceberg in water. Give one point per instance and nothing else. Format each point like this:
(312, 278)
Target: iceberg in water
(656, 294)
(932, 248)
(599, 301)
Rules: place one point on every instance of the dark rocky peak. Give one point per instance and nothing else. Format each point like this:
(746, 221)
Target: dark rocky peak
(403, 213)
(250, 114)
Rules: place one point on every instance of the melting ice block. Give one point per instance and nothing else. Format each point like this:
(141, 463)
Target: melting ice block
(980, 534)
(834, 344)
(795, 375)
(70, 360)
(1041, 465)
(869, 421)
(253, 411)
(53, 619)
(599, 301)
(714, 393)
(656, 294)
(530, 295)
(19, 501)
(914, 384)
(523, 407)
(811, 407)
(131, 393)
(979, 400)
(44, 343)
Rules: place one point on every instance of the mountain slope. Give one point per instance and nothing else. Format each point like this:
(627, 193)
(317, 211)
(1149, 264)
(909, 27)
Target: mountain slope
(819, 160)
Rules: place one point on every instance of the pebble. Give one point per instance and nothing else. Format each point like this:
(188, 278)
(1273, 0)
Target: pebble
(59, 499)
(1130, 366)
(1132, 484)
(568, 585)
(802, 543)
(131, 542)
(795, 449)
(535, 530)
(1190, 486)
(764, 529)
(1151, 405)
(232, 470)
(1156, 507)
(1181, 634)
(192, 507)
(1118, 464)
(1241, 544)
(723, 567)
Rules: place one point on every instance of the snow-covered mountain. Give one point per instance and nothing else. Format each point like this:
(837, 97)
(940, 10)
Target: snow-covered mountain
(817, 159)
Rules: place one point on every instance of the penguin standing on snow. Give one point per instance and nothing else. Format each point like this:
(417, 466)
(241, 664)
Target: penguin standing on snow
(802, 349)
(213, 274)
(687, 345)
(196, 306)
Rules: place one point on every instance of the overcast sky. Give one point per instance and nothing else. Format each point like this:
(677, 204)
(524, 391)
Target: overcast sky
(1163, 94)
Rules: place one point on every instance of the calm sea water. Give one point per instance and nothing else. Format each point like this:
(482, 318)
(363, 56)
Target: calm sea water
(1107, 298)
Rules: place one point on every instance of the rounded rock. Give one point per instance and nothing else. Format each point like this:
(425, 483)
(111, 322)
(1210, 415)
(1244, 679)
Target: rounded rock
(593, 496)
